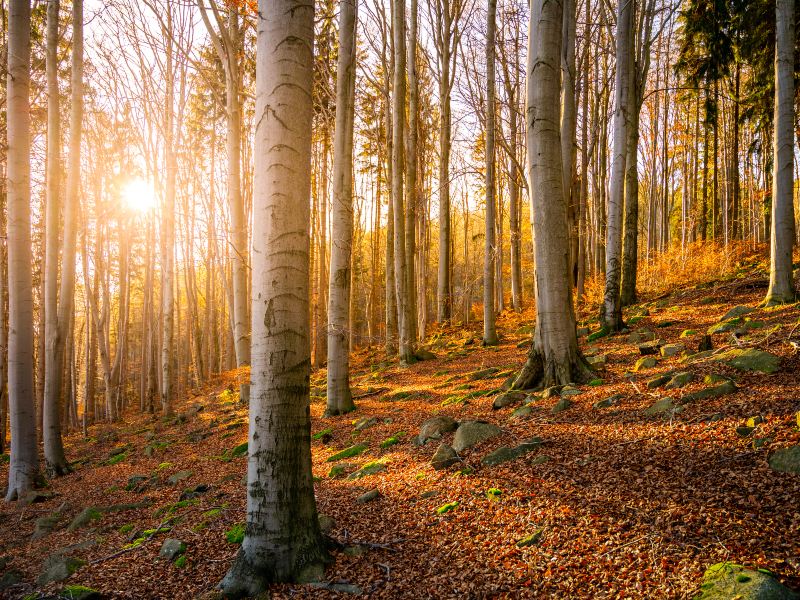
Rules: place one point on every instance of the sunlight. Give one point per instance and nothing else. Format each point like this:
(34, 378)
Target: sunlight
(138, 195)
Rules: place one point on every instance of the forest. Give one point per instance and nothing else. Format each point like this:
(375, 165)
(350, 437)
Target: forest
(399, 299)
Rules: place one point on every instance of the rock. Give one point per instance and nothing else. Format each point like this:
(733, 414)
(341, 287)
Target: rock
(470, 433)
(371, 468)
(705, 345)
(724, 327)
(86, 516)
(658, 381)
(9, 578)
(434, 427)
(178, 477)
(171, 549)
(608, 402)
(688, 333)
(80, 592)
(365, 423)
(582, 331)
(540, 460)
(340, 470)
(368, 497)
(711, 392)
(662, 406)
(483, 373)
(651, 347)
(597, 361)
(507, 399)
(444, 457)
(135, 480)
(57, 567)
(530, 540)
(672, 350)
(725, 581)
(680, 380)
(45, 525)
(750, 359)
(736, 312)
(561, 406)
(506, 454)
(713, 378)
(569, 390)
(641, 335)
(522, 412)
(195, 492)
(646, 362)
(786, 460)
(35, 497)
(552, 391)
(423, 354)
(326, 523)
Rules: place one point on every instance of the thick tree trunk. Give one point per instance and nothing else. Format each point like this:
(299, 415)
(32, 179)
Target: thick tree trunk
(412, 176)
(490, 249)
(781, 282)
(24, 466)
(340, 399)
(282, 539)
(554, 356)
(611, 310)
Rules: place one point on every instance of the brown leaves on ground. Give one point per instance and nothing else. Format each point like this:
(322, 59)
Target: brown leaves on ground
(626, 506)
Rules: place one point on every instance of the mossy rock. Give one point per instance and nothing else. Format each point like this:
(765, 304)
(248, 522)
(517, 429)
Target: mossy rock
(470, 433)
(786, 460)
(365, 423)
(434, 427)
(522, 412)
(79, 592)
(86, 516)
(598, 361)
(323, 435)
(646, 362)
(506, 454)
(598, 335)
(728, 387)
(371, 468)
(531, 539)
(736, 312)
(57, 567)
(348, 452)
(680, 380)
(728, 581)
(237, 451)
(686, 333)
(750, 359)
(658, 381)
(171, 549)
(561, 406)
(340, 470)
(176, 478)
(446, 508)
(640, 336)
(608, 402)
(672, 350)
(662, 406)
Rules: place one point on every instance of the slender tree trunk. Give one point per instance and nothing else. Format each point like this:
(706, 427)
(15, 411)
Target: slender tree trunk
(630, 245)
(444, 301)
(340, 399)
(569, 120)
(412, 176)
(24, 467)
(282, 540)
(490, 250)
(781, 281)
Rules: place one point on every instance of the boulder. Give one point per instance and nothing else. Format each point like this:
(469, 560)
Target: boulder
(725, 581)
(371, 468)
(672, 350)
(434, 427)
(786, 460)
(444, 457)
(326, 523)
(171, 549)
(423, 354)
(365, 423)
(662, 406)
(680, 380)
(552, 391)
(646, 362)
(86, 516)
(368, 496)
(598, 361)
(608, 402)
(522, 412)
(178, 477)
(737, 311)
(569, 390)
(750, 359)
(641, 335)
(711, 392)
(483, 373)
(134, 481)
(45, 525)
(57, 567)
(658, 381)
(506, 454)
(651, 347)
(470, 433)
(507, 399)
(561, 406)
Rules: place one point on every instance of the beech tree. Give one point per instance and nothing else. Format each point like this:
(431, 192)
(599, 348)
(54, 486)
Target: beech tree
(24, 466)
(490, 249)
(282, 539)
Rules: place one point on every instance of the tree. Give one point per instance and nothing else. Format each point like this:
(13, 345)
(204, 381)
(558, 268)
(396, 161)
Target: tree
(490, 249)
(611, 309)
(56, 462)
(282, 539)
(781, 283)
(24, 467)
(339, 398)
(553, 357)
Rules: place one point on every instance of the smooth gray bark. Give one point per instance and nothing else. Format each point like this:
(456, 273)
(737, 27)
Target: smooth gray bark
(490, 249)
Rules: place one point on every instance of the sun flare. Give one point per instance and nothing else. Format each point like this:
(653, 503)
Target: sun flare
(138, 196)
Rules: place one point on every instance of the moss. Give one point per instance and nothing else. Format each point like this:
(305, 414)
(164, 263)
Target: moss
(598, 334)
(235, 535)
(348, 452)
(76, 592)
(530, 540)
(172, 508)
(127, 528)
(117, 458)
(391, 441)
(163, 465)
(446, 508)
(321, 434)
(493, 493)
(596, 382)
(180, 562)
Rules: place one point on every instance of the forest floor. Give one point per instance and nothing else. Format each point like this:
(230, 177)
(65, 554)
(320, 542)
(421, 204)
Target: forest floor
(622, 502)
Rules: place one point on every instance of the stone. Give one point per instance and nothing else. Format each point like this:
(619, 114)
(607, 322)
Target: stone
(342, 588)
(422, 354)
(672, 350)
(658, 381)
(434, 427)
(540, 460)
(371, 468)
(507, 399)
(80, 592)
(651, 347)
(680, 380)
(179, 476)
(736, 312)
(582, 331)
(135, 480)
(470, 433)
(444, 457)
(483, 373)
(57, 567)
(326, 523)
(365, 423)
(171, 549)
(712, 392)
(646, 362)
(195, 492)
(786, 460)
(368, 496)
(561, 406)
(86, 516)
(9, 578)
(725, 581)
(597, 361)
(688, 333)
(569, 390)
(35, 497)
(522, 412)
(506, 454)
(552, 391)
(662, 406)
(45, 525)
(608, 402)
(641, 335)
(750, 359)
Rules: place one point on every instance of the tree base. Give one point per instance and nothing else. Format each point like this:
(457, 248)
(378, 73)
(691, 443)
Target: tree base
(538, 373)
(339, 406)
(57, 468)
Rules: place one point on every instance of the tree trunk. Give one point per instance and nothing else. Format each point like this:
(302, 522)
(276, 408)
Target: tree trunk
(490, 250)
(611, 310)
(24, 466)
(412, 176)
(340, 399)
(554, 356)
(282, 540)
(781, 281)
(444, 301)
